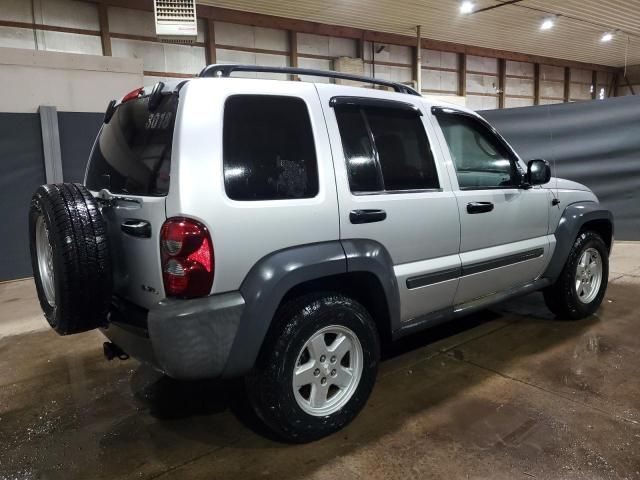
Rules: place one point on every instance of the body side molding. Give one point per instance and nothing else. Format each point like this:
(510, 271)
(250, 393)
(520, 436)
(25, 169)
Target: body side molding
(485, 265)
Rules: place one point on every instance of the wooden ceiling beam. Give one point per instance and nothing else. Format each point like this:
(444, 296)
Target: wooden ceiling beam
(304, 26)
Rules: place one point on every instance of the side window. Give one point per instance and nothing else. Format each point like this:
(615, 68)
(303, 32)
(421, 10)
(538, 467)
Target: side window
(268, 148)
(481, 159)
(386, 149)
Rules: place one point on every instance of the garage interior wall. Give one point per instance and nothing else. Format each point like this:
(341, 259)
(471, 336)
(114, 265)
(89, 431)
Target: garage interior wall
(77, 86)
(76, 55)
(594, 143)
(83, 27)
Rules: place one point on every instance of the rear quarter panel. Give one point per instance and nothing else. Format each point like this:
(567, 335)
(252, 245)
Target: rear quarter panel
(243, 232)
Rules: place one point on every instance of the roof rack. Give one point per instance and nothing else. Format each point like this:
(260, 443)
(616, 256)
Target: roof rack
(219, 70)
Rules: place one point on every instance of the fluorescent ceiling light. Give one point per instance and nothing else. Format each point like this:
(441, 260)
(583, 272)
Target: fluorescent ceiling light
(467, 6)
(548, 23)
(607, 37)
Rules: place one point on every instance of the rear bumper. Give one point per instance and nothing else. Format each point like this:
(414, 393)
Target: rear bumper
(186, 339)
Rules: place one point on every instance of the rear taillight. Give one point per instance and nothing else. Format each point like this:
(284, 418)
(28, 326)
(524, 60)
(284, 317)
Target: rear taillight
(187, 258)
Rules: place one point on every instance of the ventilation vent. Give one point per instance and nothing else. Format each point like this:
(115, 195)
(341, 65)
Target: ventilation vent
(176, 20)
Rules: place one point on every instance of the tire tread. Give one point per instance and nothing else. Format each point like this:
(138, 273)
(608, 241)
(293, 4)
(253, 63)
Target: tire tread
(81, 257)
(560, 297)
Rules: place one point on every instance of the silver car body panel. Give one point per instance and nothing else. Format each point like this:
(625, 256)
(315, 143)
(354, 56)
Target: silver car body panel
(521, 219)
(435, 260)
(422, 228)
(244, 232)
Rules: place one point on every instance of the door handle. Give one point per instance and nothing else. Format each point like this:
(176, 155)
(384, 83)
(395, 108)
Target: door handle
(137, 228)
(367, 216)
(479, 207)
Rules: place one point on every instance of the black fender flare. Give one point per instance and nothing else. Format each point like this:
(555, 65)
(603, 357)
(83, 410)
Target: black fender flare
(364, 255)
(571, 221)
(268, 281)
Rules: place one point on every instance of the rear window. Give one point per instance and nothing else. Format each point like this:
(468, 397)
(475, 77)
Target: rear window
(133, 152)
(268, 148)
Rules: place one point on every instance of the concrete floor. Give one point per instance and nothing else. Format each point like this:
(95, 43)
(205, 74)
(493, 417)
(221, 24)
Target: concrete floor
(508, 393)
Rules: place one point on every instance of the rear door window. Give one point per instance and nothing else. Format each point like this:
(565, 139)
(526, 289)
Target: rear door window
(386, 149)
(133, 152)
(268, 148)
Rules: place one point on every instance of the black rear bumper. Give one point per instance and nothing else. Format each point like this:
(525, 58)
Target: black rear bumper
(185, 339)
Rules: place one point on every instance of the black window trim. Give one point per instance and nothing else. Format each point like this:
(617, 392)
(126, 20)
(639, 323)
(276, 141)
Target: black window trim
(396, 105)
(374, 150)
(437, 110)
(313, 135)
(374, 102)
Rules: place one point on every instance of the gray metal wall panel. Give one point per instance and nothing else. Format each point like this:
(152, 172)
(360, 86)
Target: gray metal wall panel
(21, 172)
(77, 133)
(596, 143)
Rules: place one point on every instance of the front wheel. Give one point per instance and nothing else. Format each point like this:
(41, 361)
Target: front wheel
(317, 367)
(581, 286)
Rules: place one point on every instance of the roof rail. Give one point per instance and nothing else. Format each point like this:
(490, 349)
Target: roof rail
(219, 70)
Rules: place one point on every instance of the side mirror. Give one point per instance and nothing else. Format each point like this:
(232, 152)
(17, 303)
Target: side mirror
(538, 172)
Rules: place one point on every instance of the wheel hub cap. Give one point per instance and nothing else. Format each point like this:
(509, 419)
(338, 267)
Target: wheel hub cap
(45, 261)
(327, 371)
(588, 275)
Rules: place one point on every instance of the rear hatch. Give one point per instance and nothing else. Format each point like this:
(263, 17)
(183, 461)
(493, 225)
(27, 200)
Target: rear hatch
(129, 169)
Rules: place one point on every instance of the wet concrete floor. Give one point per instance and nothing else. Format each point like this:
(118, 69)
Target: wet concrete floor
(509, 393)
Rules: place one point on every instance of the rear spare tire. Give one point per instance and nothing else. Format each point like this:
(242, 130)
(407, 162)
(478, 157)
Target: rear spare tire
(70, 257)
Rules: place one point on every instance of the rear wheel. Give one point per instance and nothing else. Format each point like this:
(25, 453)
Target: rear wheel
(581, 286)
(70, 257)
(317, 367)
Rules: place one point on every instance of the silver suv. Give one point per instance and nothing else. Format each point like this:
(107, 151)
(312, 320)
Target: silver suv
(281, 230)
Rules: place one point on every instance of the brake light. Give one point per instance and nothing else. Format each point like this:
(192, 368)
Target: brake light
(132, 95)
(187, 258)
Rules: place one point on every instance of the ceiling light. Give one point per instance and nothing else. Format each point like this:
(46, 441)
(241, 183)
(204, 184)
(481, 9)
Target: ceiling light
(467, 6)
(607, 37)
(548, 23)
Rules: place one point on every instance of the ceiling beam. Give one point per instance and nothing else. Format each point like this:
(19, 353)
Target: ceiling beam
(493, 7)
(210, 42)
(305, 26)
(536, 84)
(105, 37)
(502, 83)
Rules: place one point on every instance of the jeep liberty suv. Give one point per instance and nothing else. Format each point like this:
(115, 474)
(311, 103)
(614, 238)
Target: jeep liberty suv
(278, 230)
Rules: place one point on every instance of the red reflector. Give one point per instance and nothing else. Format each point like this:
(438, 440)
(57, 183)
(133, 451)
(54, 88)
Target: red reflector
(132, 95)
(202, 255)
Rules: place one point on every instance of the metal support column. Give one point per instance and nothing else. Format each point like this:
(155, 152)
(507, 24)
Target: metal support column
(418, 60)
(51, 144)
